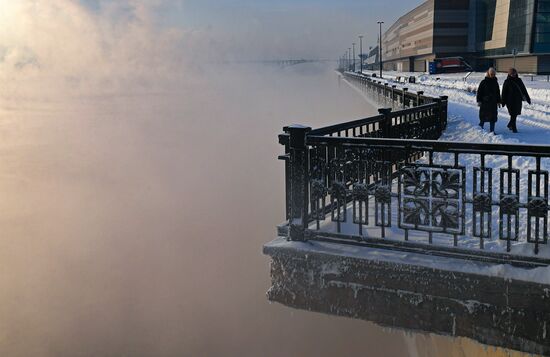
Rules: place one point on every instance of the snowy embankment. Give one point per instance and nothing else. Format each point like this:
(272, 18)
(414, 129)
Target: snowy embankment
(533, 124)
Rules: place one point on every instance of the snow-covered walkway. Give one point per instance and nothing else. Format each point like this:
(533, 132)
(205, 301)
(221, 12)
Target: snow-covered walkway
(533, 124)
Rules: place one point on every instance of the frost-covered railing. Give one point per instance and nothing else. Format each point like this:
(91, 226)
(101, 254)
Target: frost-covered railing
(384, 92)
(378, 182)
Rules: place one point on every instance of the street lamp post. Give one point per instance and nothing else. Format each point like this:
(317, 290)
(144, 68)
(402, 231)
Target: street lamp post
(380, 47)
(345, 60)
(349, 58)
(353, 44)
(361, 53)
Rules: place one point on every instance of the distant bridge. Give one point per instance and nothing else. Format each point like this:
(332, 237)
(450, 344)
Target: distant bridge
(280, 62)
(288, 62)
(291, 62)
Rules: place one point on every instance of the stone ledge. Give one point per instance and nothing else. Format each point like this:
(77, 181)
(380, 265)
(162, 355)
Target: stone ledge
(342, 281)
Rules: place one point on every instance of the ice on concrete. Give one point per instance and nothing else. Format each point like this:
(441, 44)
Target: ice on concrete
(505, 271)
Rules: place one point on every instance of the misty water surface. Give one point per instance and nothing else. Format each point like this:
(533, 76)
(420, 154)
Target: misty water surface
(132, 225)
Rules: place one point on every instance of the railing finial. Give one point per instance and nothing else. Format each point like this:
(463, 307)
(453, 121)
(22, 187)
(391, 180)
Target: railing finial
(386, 126)
(384, 110)
(298, 181)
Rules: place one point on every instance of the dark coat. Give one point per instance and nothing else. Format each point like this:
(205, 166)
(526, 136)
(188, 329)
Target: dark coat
(488, 94)
(513, 94)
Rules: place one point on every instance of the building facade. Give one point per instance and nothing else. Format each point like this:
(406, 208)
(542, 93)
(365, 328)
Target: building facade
(372, 60)
(503, 33)
(437, 28)
(514, 31)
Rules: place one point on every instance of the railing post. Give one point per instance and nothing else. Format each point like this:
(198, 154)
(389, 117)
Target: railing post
(404, 95)
(386, 126)
(298, 182)
(393, 93)
(284, 140)
(419, 95)
(438, 120)
(444, 104)
(385, 90)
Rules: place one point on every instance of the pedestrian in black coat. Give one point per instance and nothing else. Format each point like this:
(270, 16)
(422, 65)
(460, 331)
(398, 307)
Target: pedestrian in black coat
(488, 99)
(513, 94)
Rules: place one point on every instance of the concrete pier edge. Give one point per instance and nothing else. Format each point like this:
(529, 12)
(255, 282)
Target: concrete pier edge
(493, 310)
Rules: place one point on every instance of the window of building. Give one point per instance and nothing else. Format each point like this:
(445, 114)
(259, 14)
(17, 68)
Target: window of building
(541, 41)
(485, 19)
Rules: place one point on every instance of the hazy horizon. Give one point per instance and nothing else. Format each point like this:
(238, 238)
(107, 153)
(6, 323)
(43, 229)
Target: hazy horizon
(183, 31)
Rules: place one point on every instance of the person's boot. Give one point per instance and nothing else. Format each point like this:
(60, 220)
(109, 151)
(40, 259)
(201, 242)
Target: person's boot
(510, 126)
(514, 129)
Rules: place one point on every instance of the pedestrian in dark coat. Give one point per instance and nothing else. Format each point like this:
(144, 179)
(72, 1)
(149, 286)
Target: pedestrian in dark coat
(513, 94)
(488, 99)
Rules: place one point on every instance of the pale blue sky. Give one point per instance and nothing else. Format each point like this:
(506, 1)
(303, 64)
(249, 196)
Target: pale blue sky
(252, 29)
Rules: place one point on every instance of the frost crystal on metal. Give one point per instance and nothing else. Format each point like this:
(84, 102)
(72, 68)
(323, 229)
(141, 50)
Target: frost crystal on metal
(360, 195)
(360, 192)
(482, 202)
(509, 204)
(338, 193)
(318, 198)
(538, 207)
(318, 188)
(382, 193)
(338, 190)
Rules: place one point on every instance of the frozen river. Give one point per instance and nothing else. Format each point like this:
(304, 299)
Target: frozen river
(133, 224)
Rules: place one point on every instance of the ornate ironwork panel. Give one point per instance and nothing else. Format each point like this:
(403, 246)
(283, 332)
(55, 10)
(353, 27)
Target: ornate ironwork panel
(537, 208)
(338, 198)
(382, 205)
(360, 195)
(431, 198)
(509, 205)
(382, 193)
(318, 163)
(482, 196)
(337, 170)
(318, 199)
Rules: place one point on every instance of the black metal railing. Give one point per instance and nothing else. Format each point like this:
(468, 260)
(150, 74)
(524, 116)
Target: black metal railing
(378, 89)
(387, 181)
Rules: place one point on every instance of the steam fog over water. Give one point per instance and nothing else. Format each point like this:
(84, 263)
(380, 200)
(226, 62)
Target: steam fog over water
(133, 224)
